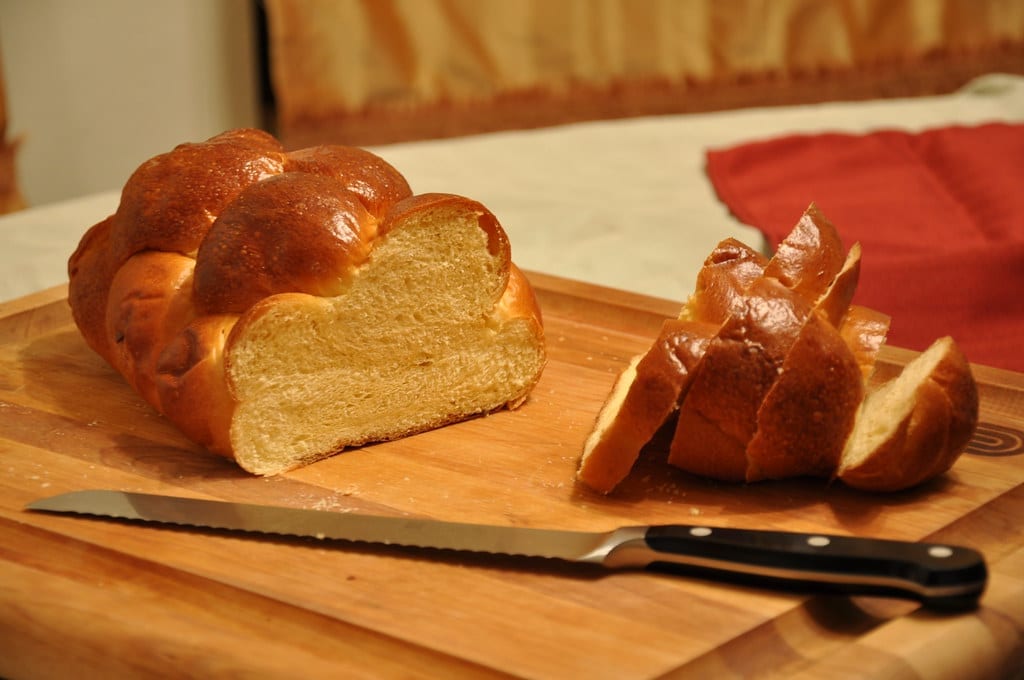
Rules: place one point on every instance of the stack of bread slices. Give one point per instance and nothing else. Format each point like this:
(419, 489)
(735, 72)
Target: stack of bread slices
(768, 373)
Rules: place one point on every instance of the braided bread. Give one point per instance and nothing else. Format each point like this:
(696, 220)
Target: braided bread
(279, 306)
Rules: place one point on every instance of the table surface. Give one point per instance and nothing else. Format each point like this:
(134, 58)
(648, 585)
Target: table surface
(87, 596)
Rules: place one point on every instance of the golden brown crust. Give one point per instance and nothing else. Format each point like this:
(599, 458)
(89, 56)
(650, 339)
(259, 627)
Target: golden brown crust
(520, 302)
(809, 274)
(90, 271)
(271, 239)
(719, 415)
(805, 418)
(377, 183)
(649, 390)
(171, 200)
(834, 303)
(148, 304)
(722, 281)
(519, 299)
(864, 330)
(810, 256)
(192, 385)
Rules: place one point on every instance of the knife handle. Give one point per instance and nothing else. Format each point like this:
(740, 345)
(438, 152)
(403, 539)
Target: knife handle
(940, 576)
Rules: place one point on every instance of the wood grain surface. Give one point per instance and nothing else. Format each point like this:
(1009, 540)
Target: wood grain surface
(95, 598)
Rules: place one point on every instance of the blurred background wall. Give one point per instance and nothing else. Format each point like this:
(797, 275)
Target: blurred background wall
(94, 87)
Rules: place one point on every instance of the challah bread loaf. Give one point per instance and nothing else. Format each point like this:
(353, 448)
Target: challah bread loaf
(780, 389)
(279, 307)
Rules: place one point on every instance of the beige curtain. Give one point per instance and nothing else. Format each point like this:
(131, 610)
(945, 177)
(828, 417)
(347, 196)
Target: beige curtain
(506, 63)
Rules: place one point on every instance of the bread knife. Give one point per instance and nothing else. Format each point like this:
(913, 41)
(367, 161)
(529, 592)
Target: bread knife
(940, 576)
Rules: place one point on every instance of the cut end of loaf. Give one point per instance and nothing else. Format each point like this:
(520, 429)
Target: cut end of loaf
(416, 342)
(914, 427)
(604, 462)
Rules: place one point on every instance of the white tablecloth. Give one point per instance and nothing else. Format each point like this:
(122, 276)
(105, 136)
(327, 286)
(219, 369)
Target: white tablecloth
(621, 203)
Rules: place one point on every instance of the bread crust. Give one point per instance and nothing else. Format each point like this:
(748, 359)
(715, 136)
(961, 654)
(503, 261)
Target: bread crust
(810, 256)
(776, 362)
(271, 239)
(834, 302)
(377, 183)
(718, 417)
(647, 393)
(805, 418)
(192, 383)
(91, 271)
(147, 306)
(171, 200)
(864, 330)
(723, 279)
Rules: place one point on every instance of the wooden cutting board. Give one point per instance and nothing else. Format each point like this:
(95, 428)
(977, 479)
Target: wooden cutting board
(82, 597)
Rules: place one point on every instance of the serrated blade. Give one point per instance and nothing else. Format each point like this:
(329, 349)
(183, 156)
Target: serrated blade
(575, 546)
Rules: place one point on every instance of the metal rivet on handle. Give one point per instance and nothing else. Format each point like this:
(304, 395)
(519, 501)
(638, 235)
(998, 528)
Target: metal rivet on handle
(700, 531)
(818, 541)
(940, 551)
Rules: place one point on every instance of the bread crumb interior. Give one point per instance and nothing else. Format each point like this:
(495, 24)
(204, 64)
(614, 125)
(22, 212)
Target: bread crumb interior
(413, 344)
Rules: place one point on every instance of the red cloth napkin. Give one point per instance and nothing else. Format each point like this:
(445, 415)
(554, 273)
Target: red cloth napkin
(939, 214)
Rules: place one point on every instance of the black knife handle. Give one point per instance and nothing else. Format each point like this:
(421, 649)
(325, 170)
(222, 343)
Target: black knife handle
(938, 575)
